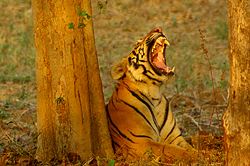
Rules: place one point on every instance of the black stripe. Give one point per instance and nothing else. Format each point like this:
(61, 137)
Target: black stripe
(133, 155)
(150, 72)
(144, 102)
(145, 71)
(116, 89)
(150, 41)
(120, 133)
(137, 58)
(156, 71)
(112, 102)
(142, 136)
(142, 61)
(129, 61)
(151, 77)
(139, 113)
(175, 138)
(166, 115)
(136, 66)
(137, 46)
(171, 130)
(113, 131)
(134, 52)
(146, 98)
(141, 81)
(160, 101)
(115, 143)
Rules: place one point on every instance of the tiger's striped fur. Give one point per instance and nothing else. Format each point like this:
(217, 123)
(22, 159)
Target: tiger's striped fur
(139, 114)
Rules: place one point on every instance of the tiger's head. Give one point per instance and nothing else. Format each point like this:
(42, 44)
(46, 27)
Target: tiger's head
(146, 61)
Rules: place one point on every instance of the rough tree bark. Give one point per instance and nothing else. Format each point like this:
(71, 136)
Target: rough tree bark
(236, 120)
(71, 114)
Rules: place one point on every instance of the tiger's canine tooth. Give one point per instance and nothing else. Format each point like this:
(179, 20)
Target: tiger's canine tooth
(159, 42)
(166, 42)
(167, 70)
(154, 46)
(173, 69)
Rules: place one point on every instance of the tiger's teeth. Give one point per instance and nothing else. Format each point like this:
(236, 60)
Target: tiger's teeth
(167, 70)
(173, 69)
(154, 46)
(166, 42)
(159, 42)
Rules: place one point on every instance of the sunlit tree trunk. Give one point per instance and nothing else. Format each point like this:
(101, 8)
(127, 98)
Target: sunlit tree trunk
(71, 114)
(236, 120)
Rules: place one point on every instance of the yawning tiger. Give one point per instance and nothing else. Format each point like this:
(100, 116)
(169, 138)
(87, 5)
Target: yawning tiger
(140, 118)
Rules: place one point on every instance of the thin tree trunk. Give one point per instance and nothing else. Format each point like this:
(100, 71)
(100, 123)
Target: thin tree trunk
(71, 114)
(236, 120)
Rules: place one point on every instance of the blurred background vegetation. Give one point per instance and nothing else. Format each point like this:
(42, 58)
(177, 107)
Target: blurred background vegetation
(117, 27)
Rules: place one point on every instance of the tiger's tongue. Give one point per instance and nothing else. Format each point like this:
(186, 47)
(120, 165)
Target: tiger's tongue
(159, 62)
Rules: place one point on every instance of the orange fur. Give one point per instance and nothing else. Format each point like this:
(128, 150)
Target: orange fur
(139, 115)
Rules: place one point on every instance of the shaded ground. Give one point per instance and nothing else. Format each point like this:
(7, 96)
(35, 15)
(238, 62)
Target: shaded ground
(194, 103)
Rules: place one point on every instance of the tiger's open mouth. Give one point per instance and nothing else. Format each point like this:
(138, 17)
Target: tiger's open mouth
(157, 56)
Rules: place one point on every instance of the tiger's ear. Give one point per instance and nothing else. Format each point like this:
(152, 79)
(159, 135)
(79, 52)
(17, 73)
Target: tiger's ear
(119, 69)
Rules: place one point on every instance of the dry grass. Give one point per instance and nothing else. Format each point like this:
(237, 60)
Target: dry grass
(117, 29)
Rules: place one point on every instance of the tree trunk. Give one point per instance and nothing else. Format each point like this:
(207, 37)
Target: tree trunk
(71, 115)
(236, 120)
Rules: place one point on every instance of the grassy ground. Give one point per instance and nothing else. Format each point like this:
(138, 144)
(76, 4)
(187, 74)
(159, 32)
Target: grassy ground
(117, 29)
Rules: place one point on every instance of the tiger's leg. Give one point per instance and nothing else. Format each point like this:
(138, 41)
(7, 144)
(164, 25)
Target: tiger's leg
(165, 151)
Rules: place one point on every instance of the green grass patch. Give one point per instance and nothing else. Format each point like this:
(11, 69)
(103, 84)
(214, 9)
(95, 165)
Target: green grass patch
(17, 52)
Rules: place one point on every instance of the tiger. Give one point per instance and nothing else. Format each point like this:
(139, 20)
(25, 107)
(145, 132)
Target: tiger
(139, 116)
